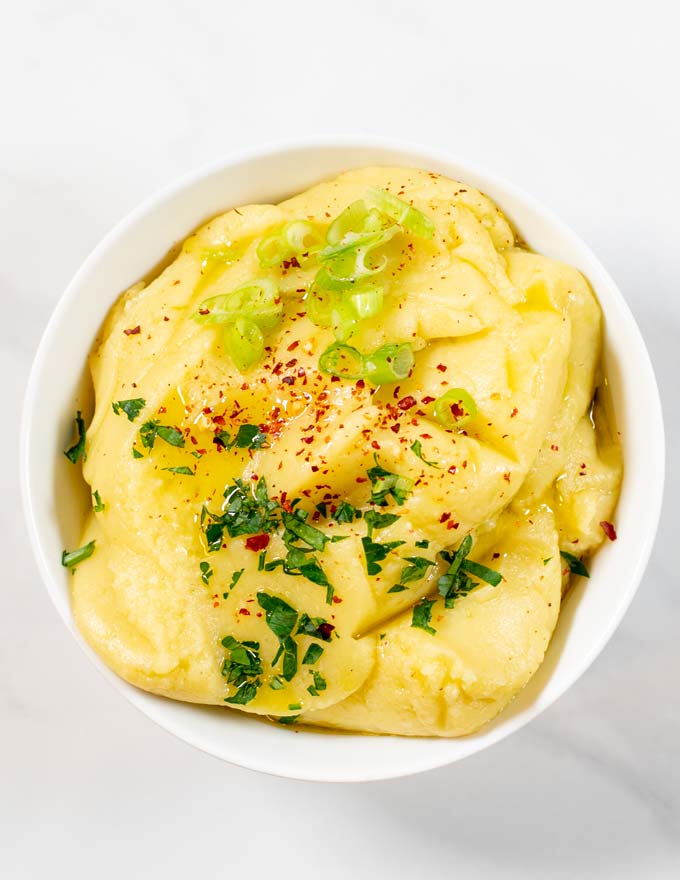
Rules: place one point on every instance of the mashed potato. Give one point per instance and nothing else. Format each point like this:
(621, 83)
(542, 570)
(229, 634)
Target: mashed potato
(340, 495)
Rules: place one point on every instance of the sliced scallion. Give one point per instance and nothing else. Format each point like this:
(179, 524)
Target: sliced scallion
(389, 363)
(455, 408)
(259, 301)
(401, 212)
(291, 240)
(244, 343)
(343, 361)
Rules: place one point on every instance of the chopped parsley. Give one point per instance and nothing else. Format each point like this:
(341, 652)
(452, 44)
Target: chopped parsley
(131, 408)
(416, 571)
(247, 437)
(316, 627)
(186, 471)
(423, 545)
(246, 513)
(152, 429)
(206, 572)
(312, 654)
(344, 513)
(242, 669)
(455, 583)
(281, 619)
(376, 553)
(300, 530)
(375, 520)
(575, 564)
(422, 615)
(288, 719)
(276, 684)
(69, 558)
(77, 451)
(136, 453)
(546, 561)
(417, 448)
(384, 483)
(319, 684)
(235, 578)
(98, 505)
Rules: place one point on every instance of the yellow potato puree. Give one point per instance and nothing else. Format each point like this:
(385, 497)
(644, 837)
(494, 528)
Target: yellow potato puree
(270, 537)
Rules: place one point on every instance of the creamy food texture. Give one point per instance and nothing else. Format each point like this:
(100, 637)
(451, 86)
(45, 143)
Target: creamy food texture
(295, 542)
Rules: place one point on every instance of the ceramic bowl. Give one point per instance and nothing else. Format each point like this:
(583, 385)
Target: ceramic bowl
(56, 499)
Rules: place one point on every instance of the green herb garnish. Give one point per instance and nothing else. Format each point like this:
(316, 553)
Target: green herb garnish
(186, 471)
(98, 505)
(376, 553)
(246, 513)
(319, 684)
(455, 583)
(385, 483)
(241, 669)
(247, 437)
(69, 558)
(281, 619)
(136, 453)
(422, 614)
(312, 654)
(575, 564)
(375, 520)
(206, 572)
(152, 429)
(288, 719)
(77, 451)
(417, 448)
(131, 408)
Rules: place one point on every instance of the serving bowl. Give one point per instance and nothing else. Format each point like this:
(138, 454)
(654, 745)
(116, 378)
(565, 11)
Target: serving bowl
(56, 497)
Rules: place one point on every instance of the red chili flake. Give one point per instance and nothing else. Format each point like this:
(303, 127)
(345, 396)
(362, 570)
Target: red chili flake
(276, 369)
(207, 410)
(554, 448)
(204, 311)
(506, 477)
(325, 630)
(442, 368)
(375, 444)
(452, 469)
(496, 556)
(608, 529)
(193, 440)
(165, 317)
(406, 402)
(291, 363)
(361, 479)
(337, 600)
(427, 400)
(514, 413)
(216, 604)
(465, 463)
(315, 468)
(360, 383)
(219, 420)
(257, 542)
(307, 439)
(244, 612)
(426, 436)
(457, 411)
(293, 345)
(162, 409)
(452, 525)
(395, 428)
(444, 517)
(288, 380)
(133, 331)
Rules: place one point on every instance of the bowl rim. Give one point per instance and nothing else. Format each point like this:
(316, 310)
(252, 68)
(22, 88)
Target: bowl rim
(166, 193)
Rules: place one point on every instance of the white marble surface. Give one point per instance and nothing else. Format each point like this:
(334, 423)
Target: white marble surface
(104, 102)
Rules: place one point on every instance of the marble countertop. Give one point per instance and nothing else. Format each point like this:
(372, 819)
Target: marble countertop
(102, 104)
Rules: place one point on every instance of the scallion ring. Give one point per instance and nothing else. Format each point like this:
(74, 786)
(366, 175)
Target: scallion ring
(455, 408)
(290, 240)
(389, 363)
(259, 301)
(342, 361)
(366, 300)
(244, 343)
(400, 212)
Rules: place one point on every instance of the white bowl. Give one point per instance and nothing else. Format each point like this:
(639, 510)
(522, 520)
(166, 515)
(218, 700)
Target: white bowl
(55, 497)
